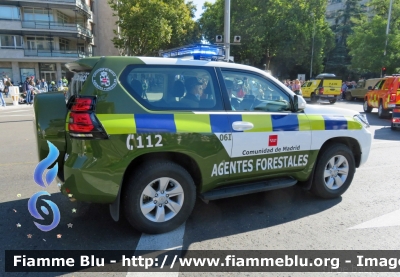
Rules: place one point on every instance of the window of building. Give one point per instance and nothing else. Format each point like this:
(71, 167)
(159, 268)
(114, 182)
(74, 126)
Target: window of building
(80, 21)
(8, 41)
(62, 18)
(38, 14)
(6, 72)
(39, 43)
(170, 87)
(64, 44)
(81, 48)
(10, 12)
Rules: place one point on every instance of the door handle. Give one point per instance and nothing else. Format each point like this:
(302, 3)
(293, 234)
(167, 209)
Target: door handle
(242, 126)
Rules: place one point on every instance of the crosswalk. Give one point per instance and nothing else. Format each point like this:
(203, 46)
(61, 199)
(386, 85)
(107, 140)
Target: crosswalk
(16, 112)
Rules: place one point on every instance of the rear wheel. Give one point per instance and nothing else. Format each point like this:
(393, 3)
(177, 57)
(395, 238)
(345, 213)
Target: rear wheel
(159, 197)
(314, 98)
(334, 171)
(382, 113)
(366, 108)
(394, 128)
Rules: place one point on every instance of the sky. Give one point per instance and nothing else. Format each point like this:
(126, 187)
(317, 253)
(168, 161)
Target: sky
(199, 4)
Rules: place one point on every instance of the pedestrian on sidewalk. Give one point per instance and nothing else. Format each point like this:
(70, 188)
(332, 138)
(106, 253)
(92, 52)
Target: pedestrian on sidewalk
(2, 87)
(27, 91)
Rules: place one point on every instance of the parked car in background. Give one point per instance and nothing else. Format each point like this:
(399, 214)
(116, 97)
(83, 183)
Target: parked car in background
(382, 96)
(361, 89)
(326, 87)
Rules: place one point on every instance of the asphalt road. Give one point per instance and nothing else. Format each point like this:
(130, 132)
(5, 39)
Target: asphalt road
(286, 219)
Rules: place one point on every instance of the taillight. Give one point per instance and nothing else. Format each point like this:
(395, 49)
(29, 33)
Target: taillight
(83, 122)
(392, 97)
(321, 90)
(396, 120)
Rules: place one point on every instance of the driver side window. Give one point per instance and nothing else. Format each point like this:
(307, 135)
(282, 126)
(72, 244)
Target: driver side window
(250, 92)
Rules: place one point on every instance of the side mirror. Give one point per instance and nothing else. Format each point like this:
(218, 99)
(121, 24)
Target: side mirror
(301, 103)
(295, 103)
(370, 88)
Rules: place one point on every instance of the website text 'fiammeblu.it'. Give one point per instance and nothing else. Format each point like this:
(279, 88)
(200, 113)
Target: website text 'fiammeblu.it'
(203, 261)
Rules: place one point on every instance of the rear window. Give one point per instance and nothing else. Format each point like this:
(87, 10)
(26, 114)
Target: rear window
(159, 87)
(76, 84)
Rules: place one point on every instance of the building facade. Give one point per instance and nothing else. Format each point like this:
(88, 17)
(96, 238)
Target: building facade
(335, 6)
(37, 37)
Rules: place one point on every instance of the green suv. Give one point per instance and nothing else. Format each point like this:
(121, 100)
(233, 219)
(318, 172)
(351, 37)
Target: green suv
(149, 135)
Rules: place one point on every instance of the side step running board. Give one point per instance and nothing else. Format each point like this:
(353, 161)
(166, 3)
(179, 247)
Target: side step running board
(242, 189)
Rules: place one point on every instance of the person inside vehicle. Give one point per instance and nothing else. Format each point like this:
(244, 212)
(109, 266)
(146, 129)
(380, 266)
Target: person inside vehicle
(235, 102)
(194, 92)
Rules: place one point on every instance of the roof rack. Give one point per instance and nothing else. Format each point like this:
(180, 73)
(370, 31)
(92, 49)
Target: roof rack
(196, 52)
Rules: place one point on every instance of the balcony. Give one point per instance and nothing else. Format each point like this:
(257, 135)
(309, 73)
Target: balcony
(52, 25)
(66, 4)
(75, 53)
(36, 54)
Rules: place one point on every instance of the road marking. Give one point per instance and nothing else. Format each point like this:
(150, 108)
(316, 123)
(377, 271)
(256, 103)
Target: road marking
(387, 220)
(169, 241)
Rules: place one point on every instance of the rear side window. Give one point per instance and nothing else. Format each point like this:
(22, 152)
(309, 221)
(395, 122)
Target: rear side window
(76, 84)
(159, 87)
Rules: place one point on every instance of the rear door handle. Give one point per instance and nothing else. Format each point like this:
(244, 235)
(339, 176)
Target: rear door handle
(242, 126)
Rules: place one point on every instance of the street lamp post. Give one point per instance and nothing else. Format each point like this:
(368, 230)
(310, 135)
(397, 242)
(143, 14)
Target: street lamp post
(227, 27)
(312, 47)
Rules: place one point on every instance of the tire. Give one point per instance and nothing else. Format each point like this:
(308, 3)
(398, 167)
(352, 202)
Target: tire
(143, 210)
(313, 98)
(349, 97)
(332, 101)
(382, 113)
(366, 108)
(334, 171)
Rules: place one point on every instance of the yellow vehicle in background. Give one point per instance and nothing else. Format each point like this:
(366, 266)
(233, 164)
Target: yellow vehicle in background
(325, 87)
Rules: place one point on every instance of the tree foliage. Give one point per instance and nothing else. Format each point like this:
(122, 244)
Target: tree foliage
(367, 44)
(277, 33)
(338, 59)
(146, 26)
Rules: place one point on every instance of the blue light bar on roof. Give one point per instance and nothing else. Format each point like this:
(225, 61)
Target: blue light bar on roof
(197, 51)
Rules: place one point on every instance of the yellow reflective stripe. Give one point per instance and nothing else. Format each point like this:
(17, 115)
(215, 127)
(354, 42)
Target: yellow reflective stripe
(353, 124)
(304, 122)
(317, 122)
(67, 121)
(118, 124)
(192, 123)
(262, 123)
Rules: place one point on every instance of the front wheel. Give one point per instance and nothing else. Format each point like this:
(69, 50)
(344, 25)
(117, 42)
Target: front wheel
(382, 113)
(366, 108)
(334, 171)
(314, 98)
(159, 197)
(333, 101)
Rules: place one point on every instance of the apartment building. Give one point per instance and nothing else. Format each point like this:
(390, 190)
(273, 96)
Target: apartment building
(37, 37)
(335, 6)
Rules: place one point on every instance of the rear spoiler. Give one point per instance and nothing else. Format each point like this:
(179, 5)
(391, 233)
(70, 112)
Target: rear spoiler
(82, 65)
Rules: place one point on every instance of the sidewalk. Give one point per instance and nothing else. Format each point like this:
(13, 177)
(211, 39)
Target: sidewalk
(9, 104)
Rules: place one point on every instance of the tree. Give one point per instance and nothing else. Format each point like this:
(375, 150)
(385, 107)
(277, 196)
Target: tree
(367, 44)
(146, 26)
(338, 60)
(277, 33)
